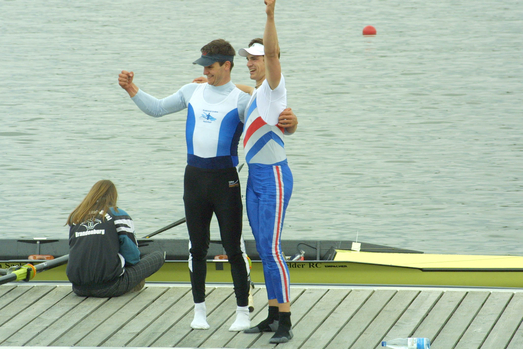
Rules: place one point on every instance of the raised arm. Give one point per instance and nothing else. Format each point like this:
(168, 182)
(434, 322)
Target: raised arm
(125, 79)
(271, 47)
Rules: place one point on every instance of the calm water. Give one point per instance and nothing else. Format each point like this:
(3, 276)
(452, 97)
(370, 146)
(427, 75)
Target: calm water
(412, 138)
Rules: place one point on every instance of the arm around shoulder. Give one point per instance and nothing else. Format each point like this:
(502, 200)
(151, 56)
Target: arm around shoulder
(245, 88)
(288, 121)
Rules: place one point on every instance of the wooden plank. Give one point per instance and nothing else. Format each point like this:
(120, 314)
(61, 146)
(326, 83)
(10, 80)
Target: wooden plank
(322, 318)
(177, 310)
(300, 307)
(42, 313)
(71, 316)
(517, 340)
(439, 315)
(91, 321)
(507, 324)
(141, 321)
(182, 328)
(414, 315)
(317, 313)
(337, 319)
(24, 310)
(18, 300)
(460, 320)
(374, 333)
(3, 290)
(360, 321)
(120, 317)
(485, 320)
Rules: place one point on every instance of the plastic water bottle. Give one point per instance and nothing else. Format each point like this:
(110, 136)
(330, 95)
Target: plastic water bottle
(407, 343)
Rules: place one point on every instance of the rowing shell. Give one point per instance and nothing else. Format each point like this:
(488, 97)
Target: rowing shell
(361, 268)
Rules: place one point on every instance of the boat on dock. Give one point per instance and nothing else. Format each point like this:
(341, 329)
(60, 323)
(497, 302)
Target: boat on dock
(322, 262)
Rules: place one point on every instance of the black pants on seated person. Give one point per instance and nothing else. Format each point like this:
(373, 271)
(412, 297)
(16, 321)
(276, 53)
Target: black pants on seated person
(133, 276)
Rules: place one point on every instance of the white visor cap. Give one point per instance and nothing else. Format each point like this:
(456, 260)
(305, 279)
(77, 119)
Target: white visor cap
(254, 50)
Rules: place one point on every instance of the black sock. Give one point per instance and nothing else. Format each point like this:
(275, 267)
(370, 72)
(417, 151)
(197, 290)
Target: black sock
(273, 313)
(285, 320)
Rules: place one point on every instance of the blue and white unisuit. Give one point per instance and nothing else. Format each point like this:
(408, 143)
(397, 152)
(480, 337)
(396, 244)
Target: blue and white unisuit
(269, 186)
(211, 186)
(213, 131)
(214, 121)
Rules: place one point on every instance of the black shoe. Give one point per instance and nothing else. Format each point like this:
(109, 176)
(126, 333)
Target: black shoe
(283, 333)
(266, 325)
(282, 337)
(270, 324)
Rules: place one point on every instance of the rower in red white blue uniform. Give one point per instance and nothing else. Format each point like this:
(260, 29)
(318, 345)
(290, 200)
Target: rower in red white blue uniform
(270, 182)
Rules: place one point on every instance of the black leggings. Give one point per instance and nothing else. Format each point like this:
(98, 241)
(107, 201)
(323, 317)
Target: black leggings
(215, 191)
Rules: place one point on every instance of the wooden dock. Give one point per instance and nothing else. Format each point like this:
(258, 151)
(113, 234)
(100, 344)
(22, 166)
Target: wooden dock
(50, 315)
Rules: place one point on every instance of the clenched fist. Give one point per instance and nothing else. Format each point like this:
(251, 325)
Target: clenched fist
(125, 80)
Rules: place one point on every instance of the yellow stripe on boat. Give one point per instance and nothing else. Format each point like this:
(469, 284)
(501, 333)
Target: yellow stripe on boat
(432, 269)
(433, 261)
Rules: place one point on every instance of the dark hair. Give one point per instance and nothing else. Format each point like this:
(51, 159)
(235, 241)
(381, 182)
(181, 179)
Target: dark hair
(259, 41)
(219, 47)
(256, 41)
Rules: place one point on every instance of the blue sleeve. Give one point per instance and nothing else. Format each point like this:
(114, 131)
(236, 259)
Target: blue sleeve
(124, 226)
(159, 107)
(129, 250)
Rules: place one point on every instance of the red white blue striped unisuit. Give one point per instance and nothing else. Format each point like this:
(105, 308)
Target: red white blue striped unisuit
(269, 186)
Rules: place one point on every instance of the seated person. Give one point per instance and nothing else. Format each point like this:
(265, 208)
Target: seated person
(104, 260)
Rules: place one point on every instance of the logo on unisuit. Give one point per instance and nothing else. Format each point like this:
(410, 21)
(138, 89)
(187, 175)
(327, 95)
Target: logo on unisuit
(207, 117)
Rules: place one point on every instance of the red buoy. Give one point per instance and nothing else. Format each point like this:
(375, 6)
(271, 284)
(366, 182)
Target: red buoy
(369, 30)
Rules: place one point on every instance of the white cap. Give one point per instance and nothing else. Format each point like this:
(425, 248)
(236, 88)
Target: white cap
(255, 50)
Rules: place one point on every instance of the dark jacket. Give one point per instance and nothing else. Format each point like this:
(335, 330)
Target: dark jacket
(100, 248)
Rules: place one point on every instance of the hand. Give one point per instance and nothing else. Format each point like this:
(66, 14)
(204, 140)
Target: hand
(287, 119)
(200, 80)
(269, 10)
(125, 79)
